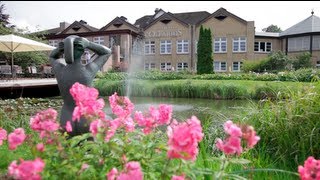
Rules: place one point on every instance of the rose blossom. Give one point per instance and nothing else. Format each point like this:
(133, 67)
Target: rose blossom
(16, 138)
(29, 170)
(3, 135)
(184, 138)
(310, 170)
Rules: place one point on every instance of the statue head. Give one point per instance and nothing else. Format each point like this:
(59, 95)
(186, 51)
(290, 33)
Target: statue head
(73, 51)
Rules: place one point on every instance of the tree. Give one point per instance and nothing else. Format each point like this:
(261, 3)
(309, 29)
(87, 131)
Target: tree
(272, 28)
(4, 18)
(204, 52)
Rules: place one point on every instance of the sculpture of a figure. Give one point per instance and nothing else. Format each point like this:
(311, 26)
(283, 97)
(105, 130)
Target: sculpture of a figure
(70, 70)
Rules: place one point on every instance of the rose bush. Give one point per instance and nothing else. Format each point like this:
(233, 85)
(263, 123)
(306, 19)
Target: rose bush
(132, 145)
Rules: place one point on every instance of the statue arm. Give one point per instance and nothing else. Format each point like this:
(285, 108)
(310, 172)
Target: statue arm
(103, 55)
(55, 54)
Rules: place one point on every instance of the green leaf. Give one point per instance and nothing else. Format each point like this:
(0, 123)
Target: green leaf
(239, 161)
(234, 176)
(78, 139)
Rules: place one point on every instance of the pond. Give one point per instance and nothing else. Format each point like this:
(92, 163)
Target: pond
(184, 108)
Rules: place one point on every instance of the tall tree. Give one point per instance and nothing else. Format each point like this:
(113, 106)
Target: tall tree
(4, 18)
(272, 28)
(204, 52)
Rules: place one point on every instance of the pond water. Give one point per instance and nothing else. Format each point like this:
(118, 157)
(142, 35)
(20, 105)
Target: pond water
(184, 108)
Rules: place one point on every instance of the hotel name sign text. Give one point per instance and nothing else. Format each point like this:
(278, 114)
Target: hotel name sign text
(160, 33)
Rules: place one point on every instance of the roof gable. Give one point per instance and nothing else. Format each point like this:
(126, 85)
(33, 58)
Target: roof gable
(118, 22)
(78, 27)
(192, 17)
(165, 18)
(309, 25)
(221, 14)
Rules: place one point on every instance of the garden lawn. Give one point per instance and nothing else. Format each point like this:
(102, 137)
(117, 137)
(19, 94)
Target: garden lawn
(187, 88)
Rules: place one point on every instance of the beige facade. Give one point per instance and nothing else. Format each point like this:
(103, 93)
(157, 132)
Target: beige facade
(168, 35)
(230, 28)
(168, 42)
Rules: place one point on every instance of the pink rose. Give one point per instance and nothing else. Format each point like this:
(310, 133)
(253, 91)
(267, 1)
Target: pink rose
(16, 138)
(26, 169)
(184, 138)
(3, 135)
(310, 170)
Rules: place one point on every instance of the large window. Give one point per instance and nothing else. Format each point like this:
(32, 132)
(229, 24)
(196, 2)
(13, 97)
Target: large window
(165, 66)
(299, 43)
(165, 47)
(99, 40)
(316, 43)
(220, 66)
(239, 44)
(53, 43)
(149, 66)
(262, 46)
(182, 66)
(149, 47)
(236, 66)
(220, 45)
(182, 46)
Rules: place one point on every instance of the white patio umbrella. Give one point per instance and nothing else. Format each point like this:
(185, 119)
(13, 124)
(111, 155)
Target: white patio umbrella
(12, 43)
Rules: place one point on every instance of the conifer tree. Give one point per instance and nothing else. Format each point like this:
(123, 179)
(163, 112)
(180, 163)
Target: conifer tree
(204, 52)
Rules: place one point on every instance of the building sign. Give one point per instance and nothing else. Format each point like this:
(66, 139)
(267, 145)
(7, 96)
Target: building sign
(159, 33)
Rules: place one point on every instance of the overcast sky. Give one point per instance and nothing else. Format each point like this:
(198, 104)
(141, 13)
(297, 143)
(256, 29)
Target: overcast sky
(48, 14)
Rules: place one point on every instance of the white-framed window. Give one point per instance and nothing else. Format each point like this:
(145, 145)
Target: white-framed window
(99, 40)
(165, 66)
(182, 66)
(220, 66)
(236, 66)
(182, 46)
(165, 47)
(239, 44)
(262, 46)
(149, 47)
(53, 43)
(299, 43)
(220, 45)
(149, 66)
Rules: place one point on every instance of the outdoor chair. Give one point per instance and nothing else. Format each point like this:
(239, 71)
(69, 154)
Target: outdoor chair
(5, 71)
(32, 71)
(47, 72)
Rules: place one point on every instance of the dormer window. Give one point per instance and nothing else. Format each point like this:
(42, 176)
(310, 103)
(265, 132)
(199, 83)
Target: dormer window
(221, 17)
(165, 21)
(117, 24)
(76, 28)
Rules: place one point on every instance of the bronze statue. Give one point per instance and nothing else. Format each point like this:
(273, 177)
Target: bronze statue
(70, 70)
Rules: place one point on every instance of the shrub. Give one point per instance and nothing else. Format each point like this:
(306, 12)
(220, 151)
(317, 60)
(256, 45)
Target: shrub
(303, 60)
(124, 147)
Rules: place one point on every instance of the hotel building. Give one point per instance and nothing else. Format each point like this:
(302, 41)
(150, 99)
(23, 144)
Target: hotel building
(168, 41)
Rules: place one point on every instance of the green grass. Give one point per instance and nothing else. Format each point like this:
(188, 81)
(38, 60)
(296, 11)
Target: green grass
(212, 89)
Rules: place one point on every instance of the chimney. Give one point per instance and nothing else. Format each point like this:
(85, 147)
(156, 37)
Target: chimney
(63, 25)
(83, 22)
(156, 10)
(123, 18)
